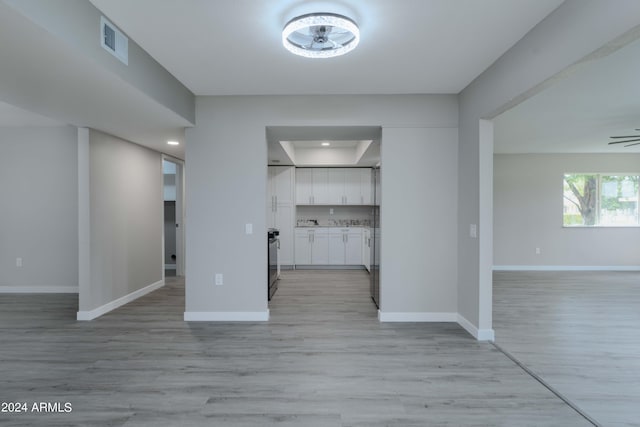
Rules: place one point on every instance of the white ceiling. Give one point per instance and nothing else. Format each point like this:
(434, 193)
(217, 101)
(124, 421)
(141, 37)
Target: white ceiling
(304, 143)
(578, 113)
(233, 47)
(51, 79)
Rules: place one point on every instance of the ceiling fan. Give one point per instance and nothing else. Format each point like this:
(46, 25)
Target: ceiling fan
(628, 138)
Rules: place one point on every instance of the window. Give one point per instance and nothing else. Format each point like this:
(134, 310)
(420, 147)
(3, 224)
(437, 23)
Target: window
(601, 200)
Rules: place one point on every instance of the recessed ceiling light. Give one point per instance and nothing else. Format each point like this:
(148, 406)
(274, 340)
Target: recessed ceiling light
(320, 35)
(326, 144)
(173, 143)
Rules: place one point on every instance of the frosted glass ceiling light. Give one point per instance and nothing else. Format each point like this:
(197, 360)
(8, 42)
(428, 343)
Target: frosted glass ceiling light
(320, 35)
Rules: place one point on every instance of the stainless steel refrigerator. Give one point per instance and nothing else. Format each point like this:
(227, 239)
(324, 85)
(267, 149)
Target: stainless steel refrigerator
(375, 237)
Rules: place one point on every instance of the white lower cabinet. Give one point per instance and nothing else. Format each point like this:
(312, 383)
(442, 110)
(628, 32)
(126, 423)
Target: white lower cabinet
(345, 246)
(303, 247)
(328, 246)
(336, 247)
(366, 249)
(312, 246)
(353, 247)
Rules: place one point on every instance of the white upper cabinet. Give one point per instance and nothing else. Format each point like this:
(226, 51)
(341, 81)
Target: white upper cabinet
(320, 186)
(366, 189)
(282, 181)
(333, 186)
(336, 186)
(304, 186)
(344, 186)
(312, 186)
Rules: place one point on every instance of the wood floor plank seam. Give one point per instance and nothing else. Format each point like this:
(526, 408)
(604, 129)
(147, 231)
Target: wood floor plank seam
(548, 386)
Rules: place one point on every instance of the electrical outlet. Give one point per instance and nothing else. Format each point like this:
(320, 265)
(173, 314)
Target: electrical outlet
(219, 280)
(18, 262)
(248, 228)
(537, 251)
(330, 211)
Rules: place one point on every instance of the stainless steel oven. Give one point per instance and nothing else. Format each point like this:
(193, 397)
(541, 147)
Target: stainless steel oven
(273, 246)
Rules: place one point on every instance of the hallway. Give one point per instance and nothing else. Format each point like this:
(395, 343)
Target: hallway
(322, 360)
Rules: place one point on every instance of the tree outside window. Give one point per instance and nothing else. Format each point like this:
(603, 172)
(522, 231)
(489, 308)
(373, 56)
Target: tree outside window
(601, 200)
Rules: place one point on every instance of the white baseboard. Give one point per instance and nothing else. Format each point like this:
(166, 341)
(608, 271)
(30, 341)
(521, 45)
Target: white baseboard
(416, 317)
(566, 268)
(103, 309)
(38, 289)
(479, 334)
(226, 316)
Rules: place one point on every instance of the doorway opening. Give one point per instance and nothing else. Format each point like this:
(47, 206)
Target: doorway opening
(323, 198)
(173, 234)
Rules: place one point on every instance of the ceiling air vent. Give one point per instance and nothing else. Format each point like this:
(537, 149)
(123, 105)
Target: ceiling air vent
(113, 41)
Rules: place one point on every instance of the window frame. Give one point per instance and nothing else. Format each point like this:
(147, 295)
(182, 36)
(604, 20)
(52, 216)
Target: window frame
(599, 176)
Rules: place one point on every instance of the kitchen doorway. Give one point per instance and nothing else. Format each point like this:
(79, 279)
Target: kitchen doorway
(323, 201)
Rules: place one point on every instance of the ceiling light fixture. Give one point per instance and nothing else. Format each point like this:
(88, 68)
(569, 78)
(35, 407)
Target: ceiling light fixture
(326, 144)
(173, 143)
(320, 35)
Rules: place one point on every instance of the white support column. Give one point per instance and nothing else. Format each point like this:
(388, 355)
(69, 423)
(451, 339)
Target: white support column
(84, 221)
(485, 235)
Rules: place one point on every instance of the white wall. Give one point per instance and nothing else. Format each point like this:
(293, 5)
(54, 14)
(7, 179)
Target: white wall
(528, 213)
(566, 37)
(125, 223)
(38, 213)
(419, 260)
(226, 188)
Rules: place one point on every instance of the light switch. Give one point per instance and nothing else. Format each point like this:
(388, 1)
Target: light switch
(219, 280)
(473, 231)
(248, 228)
(330, 211)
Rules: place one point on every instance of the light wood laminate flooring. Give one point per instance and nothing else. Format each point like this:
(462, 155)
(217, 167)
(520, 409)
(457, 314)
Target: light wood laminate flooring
(580, 332)
(322, 360)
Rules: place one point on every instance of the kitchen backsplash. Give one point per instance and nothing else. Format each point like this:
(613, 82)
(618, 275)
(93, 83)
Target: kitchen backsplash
(343, 216)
